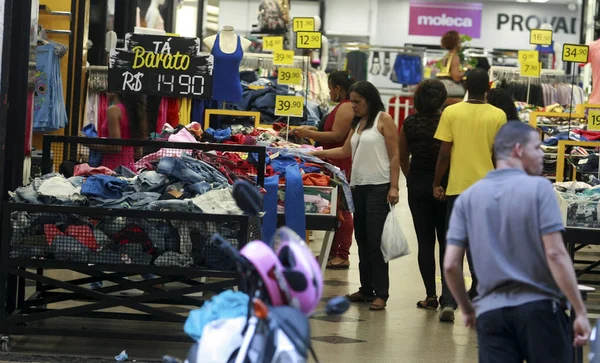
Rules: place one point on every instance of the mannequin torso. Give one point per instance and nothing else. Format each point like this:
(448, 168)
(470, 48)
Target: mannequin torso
(153, 18)
(228, 41)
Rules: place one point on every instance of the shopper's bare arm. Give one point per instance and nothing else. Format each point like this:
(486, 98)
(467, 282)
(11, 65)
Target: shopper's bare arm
(341, 126)
(337, 153)
(453, 273)
(390, 134)
(404, 153)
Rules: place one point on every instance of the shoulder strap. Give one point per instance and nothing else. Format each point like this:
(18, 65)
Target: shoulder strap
(449, 64)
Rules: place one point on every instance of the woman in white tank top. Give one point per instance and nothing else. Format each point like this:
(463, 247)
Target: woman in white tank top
(373, 145)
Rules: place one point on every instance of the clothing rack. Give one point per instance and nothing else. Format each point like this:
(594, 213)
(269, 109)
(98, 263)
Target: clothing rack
(97, 78)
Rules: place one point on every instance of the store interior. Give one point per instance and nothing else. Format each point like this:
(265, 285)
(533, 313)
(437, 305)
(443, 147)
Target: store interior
(62, 63)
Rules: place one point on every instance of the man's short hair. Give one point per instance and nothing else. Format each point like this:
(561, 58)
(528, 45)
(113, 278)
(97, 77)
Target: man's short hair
(478, 81)
(511, 134)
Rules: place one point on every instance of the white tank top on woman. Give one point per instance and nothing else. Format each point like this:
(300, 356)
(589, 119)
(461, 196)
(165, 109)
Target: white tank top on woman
(370, 160)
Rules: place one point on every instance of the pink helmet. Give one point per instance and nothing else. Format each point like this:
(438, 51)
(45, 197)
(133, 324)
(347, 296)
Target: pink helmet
(266, 263)
(300, 269)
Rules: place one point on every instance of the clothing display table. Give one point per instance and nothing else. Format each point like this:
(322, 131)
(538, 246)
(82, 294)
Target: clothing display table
(103, 228)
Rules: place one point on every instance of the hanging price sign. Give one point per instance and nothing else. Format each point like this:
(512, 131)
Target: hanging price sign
(576, 53)
(308, 40)
(531, 69)
(290, 76)
(528, 56)
(593, 120)
(292, 106)
(540, 37)
(304, 24)
(283, 57)
(273, 43)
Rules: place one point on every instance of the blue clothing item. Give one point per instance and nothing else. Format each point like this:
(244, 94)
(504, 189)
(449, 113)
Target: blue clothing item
(408, 69)
(219, 135)
(281, 162)
(138, 200)
(151, 181)
(269, 222)
(190, 170)
(553, 141)
(545, 49)
(198, 188)
(199, 105)
(49, 113)
(95, 158)
(295, 216)
(226, 72)
(227, 305)
(104, 186)
(174, 205)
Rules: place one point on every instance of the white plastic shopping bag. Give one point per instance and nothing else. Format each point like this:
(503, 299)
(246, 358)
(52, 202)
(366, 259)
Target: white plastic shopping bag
(393, 241)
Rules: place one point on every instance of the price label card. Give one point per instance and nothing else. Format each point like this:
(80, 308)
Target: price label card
(283, 57)
(540, 37)
(576, 53)
(528, 56)
(531, 69)
(273, 43)
(290, 76)
(304, 24)
(308, 40)
(593, 120)
(289, 106)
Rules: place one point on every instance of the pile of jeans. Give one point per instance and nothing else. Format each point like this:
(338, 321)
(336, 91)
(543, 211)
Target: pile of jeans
(582, 202)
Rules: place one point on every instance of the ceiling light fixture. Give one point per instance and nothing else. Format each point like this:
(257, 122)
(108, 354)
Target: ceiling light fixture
(539, 1)
(522, 1)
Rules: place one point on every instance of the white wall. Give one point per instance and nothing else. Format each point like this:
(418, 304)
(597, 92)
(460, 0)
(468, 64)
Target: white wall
(392, 24)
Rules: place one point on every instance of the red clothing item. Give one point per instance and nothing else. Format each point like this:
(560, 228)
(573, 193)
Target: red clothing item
(344, 164)
(590, 135)
(173, 112)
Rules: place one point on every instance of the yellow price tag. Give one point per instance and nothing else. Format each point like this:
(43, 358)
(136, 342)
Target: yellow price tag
(531, 69)
(529, 56)
(308, 40)
(593, 120)
(576, 53)
(272, 43)
(427, 73)
(283, 57)
(289, 76)
(540, 37)
(289, 106)
(304, 24)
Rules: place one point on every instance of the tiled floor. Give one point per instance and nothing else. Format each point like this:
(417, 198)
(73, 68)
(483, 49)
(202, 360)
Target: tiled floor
(401, 333)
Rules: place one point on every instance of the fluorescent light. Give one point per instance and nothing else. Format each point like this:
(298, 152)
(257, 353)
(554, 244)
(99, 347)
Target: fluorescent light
(522, 1)
(539, 1)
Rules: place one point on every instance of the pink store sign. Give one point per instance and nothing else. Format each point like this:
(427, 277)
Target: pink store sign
(434, 18)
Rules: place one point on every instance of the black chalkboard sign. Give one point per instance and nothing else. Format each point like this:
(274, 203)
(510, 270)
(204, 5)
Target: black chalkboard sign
(163, 44)
(161, 65)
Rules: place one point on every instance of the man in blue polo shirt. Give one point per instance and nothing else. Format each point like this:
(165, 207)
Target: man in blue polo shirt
(511, 222)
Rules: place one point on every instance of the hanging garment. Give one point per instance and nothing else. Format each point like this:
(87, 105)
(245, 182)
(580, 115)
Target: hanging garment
(408, 69)
(269, 222)
(50, 113)
(102, 107)
(172, 112)
(185, 111)
(547, 50)
(295, 216)
(226, 73)
(356, 64)
(162, 115)
(91, 108)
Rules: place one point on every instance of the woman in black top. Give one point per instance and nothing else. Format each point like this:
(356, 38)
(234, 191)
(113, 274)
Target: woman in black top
(500, 98)
(429, 214)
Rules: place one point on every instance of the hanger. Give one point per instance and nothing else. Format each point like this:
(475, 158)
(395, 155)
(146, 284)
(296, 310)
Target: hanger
(42, 37)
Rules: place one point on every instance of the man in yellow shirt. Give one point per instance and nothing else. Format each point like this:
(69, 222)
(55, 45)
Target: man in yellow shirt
(467, 131)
